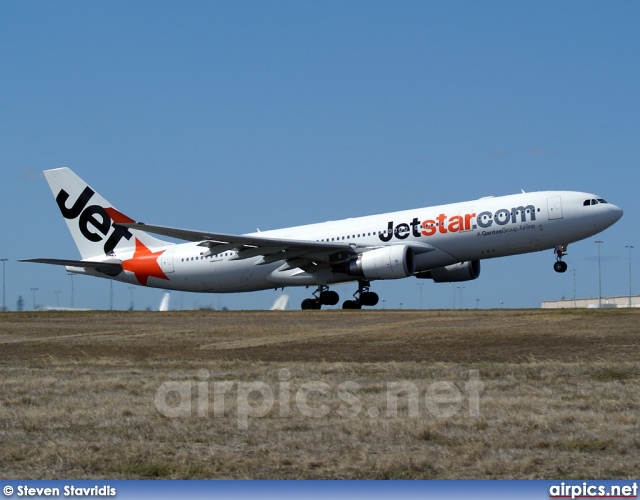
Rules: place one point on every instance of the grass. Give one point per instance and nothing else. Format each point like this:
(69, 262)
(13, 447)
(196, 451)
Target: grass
(78, 395)
(615, 374)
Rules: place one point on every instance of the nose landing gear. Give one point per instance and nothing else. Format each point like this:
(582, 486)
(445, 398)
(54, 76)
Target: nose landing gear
(560, 266)
(323, 296)
(363, 297)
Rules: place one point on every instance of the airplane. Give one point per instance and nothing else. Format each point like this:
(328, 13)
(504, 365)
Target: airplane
(443, 243)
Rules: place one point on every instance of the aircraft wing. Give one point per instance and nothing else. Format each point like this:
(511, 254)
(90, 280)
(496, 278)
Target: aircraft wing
(305, 254)
(111, 268)
(271, 249)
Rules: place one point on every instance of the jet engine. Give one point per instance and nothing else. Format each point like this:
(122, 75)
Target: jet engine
(390, 262)
(462, 271)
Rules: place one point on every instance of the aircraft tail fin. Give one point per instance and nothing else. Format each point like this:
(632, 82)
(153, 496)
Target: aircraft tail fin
(164, 303)
(280, 303)
(92, 220)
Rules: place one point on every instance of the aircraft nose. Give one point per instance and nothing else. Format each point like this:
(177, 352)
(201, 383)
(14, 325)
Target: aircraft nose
(616, 213)
(613, 214)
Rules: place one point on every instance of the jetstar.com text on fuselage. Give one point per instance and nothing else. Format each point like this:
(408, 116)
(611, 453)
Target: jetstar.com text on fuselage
(443, 224)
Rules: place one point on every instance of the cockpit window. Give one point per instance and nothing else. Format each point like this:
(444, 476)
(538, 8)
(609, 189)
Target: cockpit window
(593, 202)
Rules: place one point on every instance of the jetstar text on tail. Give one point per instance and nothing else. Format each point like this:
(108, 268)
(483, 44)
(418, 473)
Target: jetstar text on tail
(93, 221)
(443, 224)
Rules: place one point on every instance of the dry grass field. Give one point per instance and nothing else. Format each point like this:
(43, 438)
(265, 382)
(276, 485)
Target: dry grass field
(489, 394)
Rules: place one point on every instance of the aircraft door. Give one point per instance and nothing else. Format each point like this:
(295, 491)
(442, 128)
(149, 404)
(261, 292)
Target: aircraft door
(554, 207)
(166, 261)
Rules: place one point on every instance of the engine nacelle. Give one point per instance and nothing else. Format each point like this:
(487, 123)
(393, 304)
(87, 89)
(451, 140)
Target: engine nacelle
(462, 271)
(392, 262)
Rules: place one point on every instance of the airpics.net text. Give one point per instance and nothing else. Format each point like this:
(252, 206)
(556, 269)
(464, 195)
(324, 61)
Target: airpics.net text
(314, 399)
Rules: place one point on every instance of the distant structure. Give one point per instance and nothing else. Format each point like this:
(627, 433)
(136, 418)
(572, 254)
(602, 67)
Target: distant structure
(59, 308)
(164, 303)
(607, 303)
(280, 303)
(20, 304)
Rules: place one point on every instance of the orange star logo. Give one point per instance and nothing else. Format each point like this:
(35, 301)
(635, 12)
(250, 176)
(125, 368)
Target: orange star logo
(117, 217)
(144, 264)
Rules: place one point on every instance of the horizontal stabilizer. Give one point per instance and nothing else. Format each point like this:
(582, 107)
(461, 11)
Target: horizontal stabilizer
(110, 268)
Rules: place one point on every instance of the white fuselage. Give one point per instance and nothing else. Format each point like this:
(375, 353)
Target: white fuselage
(450, 234)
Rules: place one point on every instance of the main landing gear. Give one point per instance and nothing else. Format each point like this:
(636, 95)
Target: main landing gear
(560, 266)
(363, 297)
(323, 296)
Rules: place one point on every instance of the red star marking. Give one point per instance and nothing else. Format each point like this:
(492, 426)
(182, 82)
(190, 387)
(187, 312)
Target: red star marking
(144, 264)
(117, 217)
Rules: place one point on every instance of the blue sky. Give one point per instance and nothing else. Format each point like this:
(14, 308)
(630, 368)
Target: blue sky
(232, 116)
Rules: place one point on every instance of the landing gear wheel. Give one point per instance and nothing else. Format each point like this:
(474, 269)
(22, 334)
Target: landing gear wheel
(329, 298)
(369, 298)
(363, 297)
(351, 304)
(308, 304)
(322, 297)
(560, 266)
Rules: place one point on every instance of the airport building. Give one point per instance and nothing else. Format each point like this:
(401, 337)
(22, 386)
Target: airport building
(593, 303)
